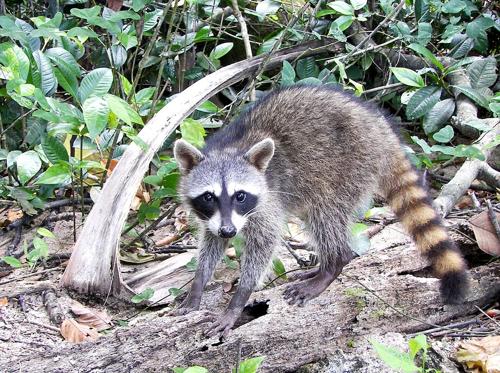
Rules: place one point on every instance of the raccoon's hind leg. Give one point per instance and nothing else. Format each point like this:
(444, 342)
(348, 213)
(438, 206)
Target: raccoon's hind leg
(328, 227)
(211, 251)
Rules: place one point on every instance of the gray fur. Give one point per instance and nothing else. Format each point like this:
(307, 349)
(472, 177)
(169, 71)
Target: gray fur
(330, 151)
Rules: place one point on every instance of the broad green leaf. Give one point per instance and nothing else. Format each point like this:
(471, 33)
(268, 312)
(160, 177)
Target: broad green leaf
(474, 94)
(424, 33)
(477, 27)
(422, 102)
(479, 124)
(122, 110)
(15, 61)
(43, 76)
(287, 74)
(54, 150)
(453, 6)
(461, 151)
(45, 232)
(342, 8)
(408, 77)
(395, 359)
(12, 157)
(95, 112)
(41, 250)
(422, 12)
(193, 132)
(57, 174)
(68, 82)
(123, 14)
(482, 73)
(358, 4)
(195, 369)
(81, 33)
(28, 164)
(13, 262)
(208, 107)
(416, 344)
(142, 296)
(86, 13)
(139, 4)
(220, 50)
(462, 48)
(438, 115)
(95, 83)
(423, 144)
(175, 292)
(279, 268)
(427, 54)
(267, 7)
(151, 18)
(250, 365)
(64, 61)
(307, 68)
(444, 135)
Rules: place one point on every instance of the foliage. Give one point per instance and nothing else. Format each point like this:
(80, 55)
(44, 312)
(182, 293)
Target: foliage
(246, 366)
(81, 81)
(405, 361)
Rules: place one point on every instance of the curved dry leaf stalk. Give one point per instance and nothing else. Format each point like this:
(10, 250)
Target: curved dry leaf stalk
(481, 355)
(74, 332)
(100, 320)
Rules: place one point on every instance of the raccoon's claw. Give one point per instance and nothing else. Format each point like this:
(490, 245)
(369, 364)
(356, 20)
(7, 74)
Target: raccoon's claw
(303, 275)
(303, 291)
(224, 324)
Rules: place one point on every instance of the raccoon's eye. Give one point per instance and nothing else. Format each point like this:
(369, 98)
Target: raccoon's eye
(241, 197)
(208, 197)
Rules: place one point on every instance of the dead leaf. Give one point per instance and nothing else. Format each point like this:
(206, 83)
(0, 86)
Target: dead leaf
(492, 312)
(74, 332)
(486, 237)
(167, 240)
(100, 320)
(136, 203)
(4, 302)
(464, 202)
(181, 221)
(10, 216)
(115, 5)
(481, 355)
(231, 252)
(227, 287)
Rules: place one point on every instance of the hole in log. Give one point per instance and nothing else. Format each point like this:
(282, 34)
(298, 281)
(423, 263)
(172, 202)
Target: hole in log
(252, 312)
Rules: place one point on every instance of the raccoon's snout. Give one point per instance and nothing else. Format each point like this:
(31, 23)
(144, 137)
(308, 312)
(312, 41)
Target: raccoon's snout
(227, 231)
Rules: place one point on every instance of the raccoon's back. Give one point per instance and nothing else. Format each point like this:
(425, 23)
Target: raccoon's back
(323, 136)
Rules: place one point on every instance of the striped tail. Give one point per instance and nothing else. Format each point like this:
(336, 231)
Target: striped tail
(411, 203)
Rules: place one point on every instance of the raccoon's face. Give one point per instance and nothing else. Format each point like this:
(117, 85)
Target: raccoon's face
(224, 188)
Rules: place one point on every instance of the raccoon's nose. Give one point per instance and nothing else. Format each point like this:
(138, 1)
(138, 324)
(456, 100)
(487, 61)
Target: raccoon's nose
(227, 231)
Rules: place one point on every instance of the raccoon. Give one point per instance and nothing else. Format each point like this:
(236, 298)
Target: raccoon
(317, 153)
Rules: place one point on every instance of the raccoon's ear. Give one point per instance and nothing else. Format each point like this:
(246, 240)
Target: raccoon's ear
(187, 156)
(260, 154)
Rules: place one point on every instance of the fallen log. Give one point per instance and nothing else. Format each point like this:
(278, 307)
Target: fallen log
(401, 299)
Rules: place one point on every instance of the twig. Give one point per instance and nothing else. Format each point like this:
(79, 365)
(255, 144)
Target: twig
(50, 327)
(15, 122)
(246, 39)
(493, 218)
(30, 275)
(455, 325)
(488, 316)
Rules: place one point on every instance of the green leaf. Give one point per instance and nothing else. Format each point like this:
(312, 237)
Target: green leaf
(144, 95)
(438, 115)
(461, 151)
(96, 83)
(28, 164)
(250, 365)
(54, 150)
(444, 135)
(192, 265)
(68, 82)
(424, 33)
(95, 113)
(14, 59)
(208, 107)
(220, 50)
(477, 27)
(422, 102)
(427, 54)
(64, 61)
(43, 76)
(358, 4)
(423, 144)
(175, 292)
(41, 250)
(479, 124)
(57, 174)
(287, 74)
(13, 262)
(342, 8)
(307, 68)
(408, 77)
(143, 295)
(482, 73)
(81, 32)
(195, 369)
(474, 94)
(193, 132)
(422, 13)
(395, 359)
(419, 342)
(453, 6)
(122, 110)
(45, 233)
(267, 7)
(279, 268)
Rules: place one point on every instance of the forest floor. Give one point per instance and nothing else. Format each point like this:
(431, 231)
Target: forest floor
(387, 295)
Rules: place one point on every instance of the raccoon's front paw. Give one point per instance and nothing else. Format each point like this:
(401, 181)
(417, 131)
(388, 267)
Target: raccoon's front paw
(180, 311)
(224, 324)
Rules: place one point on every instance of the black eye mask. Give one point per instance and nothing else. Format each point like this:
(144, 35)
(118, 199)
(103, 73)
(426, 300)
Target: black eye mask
(248, 203)
(203, 208)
